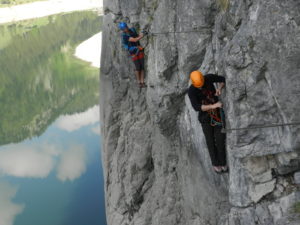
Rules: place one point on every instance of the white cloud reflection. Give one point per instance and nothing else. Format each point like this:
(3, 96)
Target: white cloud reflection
(24, 161)
(38, 161)
(8, 209)
(72, 164)
(76, 121)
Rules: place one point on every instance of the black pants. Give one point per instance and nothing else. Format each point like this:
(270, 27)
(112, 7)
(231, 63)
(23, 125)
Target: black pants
(215, 141)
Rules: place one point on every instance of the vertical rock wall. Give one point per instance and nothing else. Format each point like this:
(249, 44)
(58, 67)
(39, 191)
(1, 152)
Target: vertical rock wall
(156, 164)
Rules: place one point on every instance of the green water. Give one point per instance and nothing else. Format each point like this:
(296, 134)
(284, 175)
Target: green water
(40, 78)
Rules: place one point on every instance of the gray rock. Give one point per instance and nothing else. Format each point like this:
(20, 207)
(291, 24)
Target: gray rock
(282, 209)
(262, 215)
(156, 164)
(260, 190)
(264, 177)
(297, 178)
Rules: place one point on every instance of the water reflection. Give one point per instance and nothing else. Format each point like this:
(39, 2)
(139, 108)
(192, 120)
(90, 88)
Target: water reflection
(78, 120)
(25, 160)
(8, 209)
(33, 160)
(40, 78)
(72, 164)
(50, 171)
(64, 160)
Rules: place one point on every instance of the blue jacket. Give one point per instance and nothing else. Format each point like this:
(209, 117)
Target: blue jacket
(130, 46)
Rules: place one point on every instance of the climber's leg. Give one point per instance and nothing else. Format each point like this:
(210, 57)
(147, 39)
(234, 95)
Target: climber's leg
(138, 61)
(220, 139)
(208, 131)
(138, 70)
(142, 67)
(137, 75)
(142, 76)
(143, 79)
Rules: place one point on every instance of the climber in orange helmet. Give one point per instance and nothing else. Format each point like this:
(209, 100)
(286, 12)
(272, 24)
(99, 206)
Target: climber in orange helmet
(204, 99)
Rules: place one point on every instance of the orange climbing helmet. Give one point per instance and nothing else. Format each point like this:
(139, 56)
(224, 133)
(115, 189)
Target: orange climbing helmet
(197, 79)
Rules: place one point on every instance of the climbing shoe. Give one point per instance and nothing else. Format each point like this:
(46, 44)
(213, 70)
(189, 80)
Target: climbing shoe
(143, 85)
(217, 169)
(224, 169)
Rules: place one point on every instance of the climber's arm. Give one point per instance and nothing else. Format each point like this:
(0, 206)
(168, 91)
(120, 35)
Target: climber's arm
(132, 39)
(210, 107)
(219, 89)
(217, 79)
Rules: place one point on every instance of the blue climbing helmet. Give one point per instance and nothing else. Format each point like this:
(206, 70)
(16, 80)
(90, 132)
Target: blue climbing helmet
(122, 25)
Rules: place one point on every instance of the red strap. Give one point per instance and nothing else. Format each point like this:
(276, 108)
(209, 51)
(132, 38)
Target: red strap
(135, 57)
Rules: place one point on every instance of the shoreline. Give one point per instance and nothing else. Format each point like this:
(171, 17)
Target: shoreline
(46, 8)
(90, 50)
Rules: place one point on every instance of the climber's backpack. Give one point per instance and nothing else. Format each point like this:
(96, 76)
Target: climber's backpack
(130, 46)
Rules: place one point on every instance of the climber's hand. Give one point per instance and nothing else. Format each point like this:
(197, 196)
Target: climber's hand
(218, 92)
(217, 105)
(145, 32)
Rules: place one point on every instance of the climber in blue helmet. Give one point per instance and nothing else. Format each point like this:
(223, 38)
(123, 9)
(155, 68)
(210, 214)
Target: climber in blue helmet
(130, 41)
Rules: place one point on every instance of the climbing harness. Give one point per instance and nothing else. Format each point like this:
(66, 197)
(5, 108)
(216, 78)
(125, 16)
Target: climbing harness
(217, 117)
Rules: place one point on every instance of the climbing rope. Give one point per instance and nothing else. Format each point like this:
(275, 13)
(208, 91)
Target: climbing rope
(215, 119)
(263, 126)
(218, 119)
(148, 33)
(180, 32)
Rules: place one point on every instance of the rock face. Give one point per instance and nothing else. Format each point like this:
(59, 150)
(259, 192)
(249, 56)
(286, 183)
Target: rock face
(157, 168)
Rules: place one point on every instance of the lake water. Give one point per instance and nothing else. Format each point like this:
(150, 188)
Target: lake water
(50, 157)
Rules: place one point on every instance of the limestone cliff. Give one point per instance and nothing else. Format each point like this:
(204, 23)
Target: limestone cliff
(157, 168)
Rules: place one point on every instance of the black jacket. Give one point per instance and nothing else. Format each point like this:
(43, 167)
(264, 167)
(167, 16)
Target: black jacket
(205, 95)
